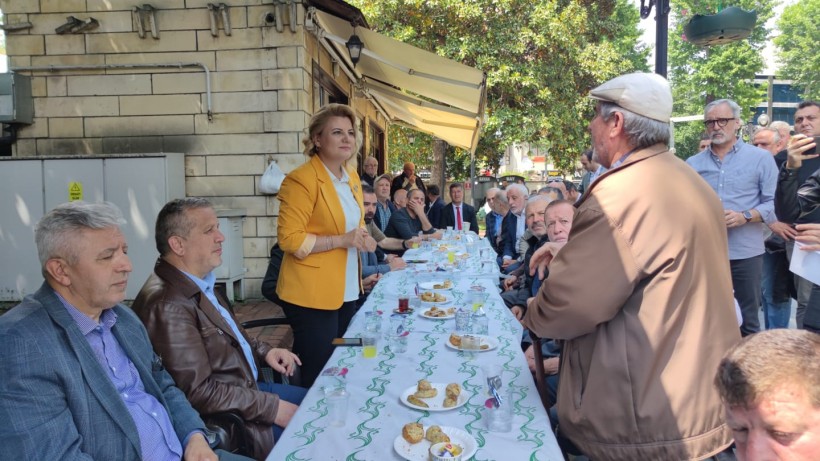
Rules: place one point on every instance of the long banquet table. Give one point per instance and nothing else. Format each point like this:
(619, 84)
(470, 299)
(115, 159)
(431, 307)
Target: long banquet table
(375, 415)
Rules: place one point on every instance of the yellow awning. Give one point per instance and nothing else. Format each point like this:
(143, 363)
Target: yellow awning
(414, 87)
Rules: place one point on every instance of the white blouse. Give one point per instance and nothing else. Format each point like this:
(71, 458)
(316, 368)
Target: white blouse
(353, 215)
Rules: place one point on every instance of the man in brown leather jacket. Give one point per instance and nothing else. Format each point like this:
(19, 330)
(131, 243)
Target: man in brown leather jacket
(209, 355)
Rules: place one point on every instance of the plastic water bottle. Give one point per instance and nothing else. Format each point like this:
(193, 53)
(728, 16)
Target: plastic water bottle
(480, 322)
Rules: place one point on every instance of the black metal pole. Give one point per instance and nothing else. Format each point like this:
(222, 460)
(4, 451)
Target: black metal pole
(661, 36)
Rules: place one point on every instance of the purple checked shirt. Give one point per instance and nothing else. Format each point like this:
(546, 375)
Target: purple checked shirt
(158, 441)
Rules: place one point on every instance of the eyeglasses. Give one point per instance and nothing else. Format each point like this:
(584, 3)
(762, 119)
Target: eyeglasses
(721, 122)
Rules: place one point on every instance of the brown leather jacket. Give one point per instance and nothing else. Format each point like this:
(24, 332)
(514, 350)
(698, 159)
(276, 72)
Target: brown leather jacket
(201, 352)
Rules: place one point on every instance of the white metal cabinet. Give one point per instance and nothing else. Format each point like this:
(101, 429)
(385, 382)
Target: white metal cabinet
(139, 185)
(21, 207)
(232, 270)
(60, 175)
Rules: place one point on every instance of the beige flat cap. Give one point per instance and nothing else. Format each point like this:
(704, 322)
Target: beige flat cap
(642, 93)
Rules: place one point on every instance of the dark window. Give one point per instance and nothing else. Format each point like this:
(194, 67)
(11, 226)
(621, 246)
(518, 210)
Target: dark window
(325, 90)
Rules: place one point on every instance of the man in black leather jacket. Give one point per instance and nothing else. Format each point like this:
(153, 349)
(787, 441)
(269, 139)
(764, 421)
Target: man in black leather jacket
(802, 202)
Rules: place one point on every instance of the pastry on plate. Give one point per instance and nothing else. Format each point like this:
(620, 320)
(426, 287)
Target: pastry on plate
(450, 402)
(413, 432)
(455, 340)
(435, 435)
(436, 312)
(424, 390)
(413, 400)
(425, 394)
(424, 385)
(453, 390)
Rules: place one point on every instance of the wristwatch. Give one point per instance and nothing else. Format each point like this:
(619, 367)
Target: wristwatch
(748, 215)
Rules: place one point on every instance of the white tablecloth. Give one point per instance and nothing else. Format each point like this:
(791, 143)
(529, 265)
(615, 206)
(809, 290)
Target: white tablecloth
(375, 415)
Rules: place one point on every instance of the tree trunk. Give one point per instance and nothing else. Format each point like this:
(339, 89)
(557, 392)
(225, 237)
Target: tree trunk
(438, 167)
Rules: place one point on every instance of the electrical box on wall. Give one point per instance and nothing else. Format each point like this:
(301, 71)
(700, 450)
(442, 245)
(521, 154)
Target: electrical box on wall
(16, 104)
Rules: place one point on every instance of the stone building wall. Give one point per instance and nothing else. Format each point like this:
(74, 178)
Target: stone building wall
(262, 95)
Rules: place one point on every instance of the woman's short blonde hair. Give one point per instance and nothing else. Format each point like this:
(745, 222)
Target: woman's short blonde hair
(320, 119)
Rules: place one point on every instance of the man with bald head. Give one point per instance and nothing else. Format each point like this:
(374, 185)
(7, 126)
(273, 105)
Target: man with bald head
(407, 180)
(400, 198)
(652, 240)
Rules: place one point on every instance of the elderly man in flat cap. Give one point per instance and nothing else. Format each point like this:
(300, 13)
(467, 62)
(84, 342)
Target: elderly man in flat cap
(640, 347)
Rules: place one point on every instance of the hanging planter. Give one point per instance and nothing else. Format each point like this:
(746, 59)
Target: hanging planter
(729, 25)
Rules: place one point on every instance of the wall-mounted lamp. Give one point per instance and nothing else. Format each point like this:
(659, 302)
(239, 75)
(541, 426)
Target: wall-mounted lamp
(411, 138)
(354, 47)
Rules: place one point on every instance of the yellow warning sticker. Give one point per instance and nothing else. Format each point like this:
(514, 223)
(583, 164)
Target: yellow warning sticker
(75, 191)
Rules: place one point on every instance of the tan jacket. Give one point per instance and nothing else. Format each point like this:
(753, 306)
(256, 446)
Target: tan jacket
(202, 354)
(642, 294)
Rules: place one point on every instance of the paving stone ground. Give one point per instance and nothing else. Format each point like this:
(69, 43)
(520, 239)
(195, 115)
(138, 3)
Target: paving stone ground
(252, 309)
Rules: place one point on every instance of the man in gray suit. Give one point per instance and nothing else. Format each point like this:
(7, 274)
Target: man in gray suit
(81, 380)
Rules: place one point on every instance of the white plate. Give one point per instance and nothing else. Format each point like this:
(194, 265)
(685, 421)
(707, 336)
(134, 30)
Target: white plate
(436, 403)
(433, 303)
(431, 286)
(488, 340)
(421, 451)
(423, 313)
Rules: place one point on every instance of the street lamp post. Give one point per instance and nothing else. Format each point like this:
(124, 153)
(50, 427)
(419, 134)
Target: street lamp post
(661, 31)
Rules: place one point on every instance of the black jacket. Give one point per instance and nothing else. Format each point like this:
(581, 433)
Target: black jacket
(795, 200)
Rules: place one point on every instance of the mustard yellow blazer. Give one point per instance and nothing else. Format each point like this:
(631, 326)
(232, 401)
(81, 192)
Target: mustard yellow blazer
(310, 209)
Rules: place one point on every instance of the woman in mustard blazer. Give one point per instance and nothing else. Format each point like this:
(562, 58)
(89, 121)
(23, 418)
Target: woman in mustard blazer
(321, 230)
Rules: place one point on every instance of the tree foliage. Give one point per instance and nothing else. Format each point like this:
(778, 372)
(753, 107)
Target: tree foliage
(700, 75)
(797, 46)
(541, 58)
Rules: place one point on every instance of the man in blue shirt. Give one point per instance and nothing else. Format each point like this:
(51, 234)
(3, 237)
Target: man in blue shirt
(744, 178)
(80, 380)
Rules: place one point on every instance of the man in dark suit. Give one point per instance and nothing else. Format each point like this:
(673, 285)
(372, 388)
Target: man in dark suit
(80, 378)
(436, 204)
(457, 213)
